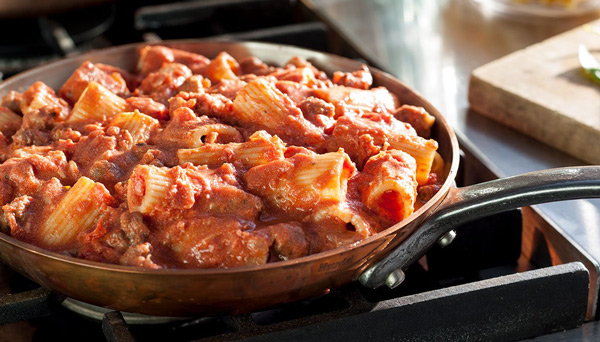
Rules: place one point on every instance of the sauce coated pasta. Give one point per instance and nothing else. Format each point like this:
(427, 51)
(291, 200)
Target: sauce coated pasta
(191, 162)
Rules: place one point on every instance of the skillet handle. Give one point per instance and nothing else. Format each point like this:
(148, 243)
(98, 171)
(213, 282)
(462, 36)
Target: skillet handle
(472, 202)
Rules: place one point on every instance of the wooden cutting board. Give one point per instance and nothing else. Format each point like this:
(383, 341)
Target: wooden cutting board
(543, 92)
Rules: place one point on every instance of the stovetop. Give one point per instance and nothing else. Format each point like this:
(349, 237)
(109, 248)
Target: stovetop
(506, 277)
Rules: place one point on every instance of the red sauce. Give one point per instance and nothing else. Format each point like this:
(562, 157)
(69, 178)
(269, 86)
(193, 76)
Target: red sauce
(391, 205)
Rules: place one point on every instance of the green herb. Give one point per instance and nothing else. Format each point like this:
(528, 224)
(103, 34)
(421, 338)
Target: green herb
(589, 63)
(592, 28)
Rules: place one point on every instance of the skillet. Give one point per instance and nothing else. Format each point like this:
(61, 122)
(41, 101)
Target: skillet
(374, 261)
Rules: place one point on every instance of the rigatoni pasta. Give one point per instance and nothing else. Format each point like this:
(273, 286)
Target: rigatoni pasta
(423, 150)
(96, 103)
(148, 189)
(388, 185)
(260, 148)
(138, 125)
(303, 182)
(190, 162)
(261, 105)
(222, 67)
(348, 99)
(76, 213)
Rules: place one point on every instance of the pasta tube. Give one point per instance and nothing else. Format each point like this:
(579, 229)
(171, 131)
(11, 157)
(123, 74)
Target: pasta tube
(388, 185)
(303, 182)
(76, 212)
(96, 103)
(137, 124)
(261, 148)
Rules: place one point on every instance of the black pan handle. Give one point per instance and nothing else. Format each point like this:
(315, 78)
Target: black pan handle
(472, 202)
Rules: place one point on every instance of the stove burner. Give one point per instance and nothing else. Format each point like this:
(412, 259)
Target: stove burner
(98, 313)
(212, 17)
(43, 39)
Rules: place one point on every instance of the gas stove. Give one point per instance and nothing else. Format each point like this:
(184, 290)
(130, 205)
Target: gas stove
(506, 277)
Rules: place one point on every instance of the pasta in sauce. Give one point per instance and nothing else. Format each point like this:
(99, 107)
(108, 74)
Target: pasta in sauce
(197, 163)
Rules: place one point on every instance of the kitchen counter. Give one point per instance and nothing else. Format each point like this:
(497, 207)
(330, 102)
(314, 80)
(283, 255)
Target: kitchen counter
(434, 45)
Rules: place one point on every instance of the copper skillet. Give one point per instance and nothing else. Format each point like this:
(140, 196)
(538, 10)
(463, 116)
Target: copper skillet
(218, 291)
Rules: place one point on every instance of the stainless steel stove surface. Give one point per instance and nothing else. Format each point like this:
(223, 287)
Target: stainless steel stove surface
(507, 277)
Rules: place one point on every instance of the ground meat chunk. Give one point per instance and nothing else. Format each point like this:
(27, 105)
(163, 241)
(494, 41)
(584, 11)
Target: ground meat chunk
(300, 62)
(295, 91)
(164, 83)
(90, 148)
(62, 132)
(132, 225)
(214, 242)
(139, 256)
(25, 214)
(417, 117)
(361, 79)
(227, 88)
(253, 65)
(26, 175)
(152, 58)
(117, 231)
(13, 214)
(12, 101)
(223, 195)
(364, 136)
(10, 121)
(148, 106)
(288, 240)
(4, 147)
(131, 80)
(41, 108)
(28, 137)
(319, 112)
(108, 172)
(212, 105)
(87, 72)
(186, 130)
(195, 84)
(426, 191)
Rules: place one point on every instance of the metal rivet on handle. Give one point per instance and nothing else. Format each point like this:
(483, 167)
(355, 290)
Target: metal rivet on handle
(395, 278)
(447, 239)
